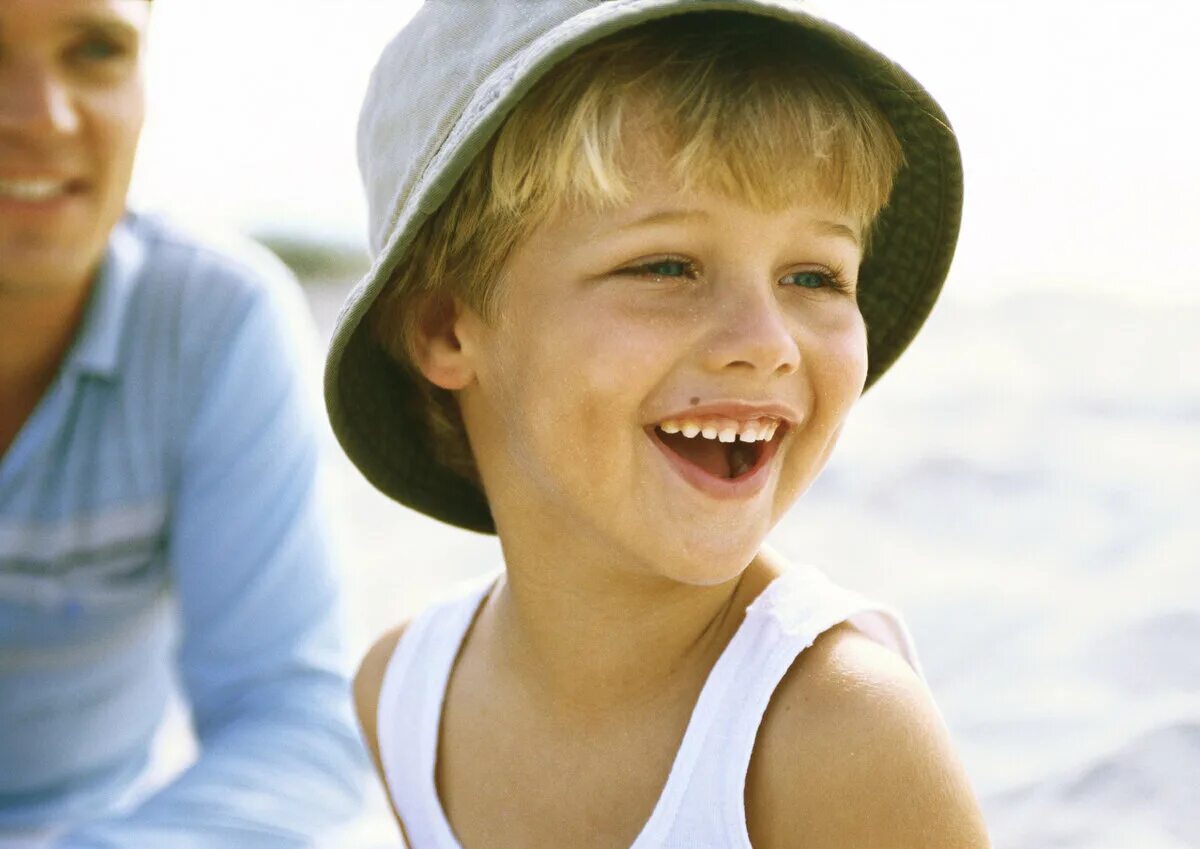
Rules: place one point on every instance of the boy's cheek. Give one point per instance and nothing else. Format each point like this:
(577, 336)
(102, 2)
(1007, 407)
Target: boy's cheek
(605, 337)
(854, 368)
(840, 356)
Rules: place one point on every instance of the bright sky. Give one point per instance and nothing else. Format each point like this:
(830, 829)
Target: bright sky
(1077, 121)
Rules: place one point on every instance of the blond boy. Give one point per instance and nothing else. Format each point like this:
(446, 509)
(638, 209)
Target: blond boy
(636, 260)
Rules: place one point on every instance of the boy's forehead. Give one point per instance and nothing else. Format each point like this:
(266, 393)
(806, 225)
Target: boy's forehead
(702, 208)
(661, 196)
(674, 218)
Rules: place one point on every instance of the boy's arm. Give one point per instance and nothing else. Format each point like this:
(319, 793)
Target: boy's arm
(853, 754)
(368, 681)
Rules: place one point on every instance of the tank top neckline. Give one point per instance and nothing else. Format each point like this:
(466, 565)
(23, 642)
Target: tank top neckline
(658, 823)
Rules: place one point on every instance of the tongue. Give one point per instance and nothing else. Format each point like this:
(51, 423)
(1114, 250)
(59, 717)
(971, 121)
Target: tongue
(742, 457)
(708, 454)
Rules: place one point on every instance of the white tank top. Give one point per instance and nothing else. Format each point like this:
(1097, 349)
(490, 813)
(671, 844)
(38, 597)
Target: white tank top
(702, 803)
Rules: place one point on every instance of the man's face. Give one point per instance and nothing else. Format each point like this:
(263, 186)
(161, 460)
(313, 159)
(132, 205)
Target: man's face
(71, 109)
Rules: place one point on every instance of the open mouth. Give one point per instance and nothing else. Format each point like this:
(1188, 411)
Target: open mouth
(723, 450)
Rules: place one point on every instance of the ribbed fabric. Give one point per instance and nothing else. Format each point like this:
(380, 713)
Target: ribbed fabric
(702, 803)
(160, 517)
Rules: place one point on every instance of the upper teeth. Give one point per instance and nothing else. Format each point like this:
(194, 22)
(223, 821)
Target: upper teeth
(724, 430)
(36, 189)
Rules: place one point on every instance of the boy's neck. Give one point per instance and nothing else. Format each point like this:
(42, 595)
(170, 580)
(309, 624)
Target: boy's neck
(590, 637)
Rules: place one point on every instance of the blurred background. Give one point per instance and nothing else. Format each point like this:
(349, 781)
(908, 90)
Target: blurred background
(1024, 483)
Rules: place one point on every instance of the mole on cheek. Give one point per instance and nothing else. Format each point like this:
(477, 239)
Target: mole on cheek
(695, 401)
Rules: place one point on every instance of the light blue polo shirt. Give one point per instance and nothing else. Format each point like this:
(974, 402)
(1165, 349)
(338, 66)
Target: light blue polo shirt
(159, 516)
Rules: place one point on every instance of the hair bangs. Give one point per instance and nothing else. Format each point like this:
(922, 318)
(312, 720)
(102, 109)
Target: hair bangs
(769, 129)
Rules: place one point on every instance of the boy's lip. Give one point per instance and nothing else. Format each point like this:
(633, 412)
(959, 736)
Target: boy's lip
(741, 411)
(723, 489)
(738, 410)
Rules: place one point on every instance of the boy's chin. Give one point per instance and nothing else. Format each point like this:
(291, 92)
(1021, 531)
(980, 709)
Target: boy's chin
(710, 565)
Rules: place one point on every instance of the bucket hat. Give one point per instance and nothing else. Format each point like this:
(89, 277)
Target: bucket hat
(441, 90)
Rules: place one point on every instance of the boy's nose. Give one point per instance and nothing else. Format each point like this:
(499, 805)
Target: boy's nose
(34, 103)
(752, 332)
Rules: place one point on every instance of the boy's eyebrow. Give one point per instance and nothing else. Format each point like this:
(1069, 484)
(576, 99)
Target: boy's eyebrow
(836, 228)
(666, 216)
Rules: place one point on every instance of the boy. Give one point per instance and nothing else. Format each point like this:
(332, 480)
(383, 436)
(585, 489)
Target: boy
(617, 317)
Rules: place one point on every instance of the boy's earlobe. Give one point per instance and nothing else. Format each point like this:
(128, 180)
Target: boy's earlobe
(438, 351)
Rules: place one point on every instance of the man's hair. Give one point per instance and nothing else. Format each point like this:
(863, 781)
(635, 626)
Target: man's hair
(742, 106)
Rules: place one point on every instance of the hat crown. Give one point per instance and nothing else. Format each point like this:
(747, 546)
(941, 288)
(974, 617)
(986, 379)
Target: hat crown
(428, 75)
(423, 82)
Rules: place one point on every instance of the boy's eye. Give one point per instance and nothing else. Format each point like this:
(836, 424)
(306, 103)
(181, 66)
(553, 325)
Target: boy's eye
(818, 278)
(809, 279)
(662, 268)
(666, 268)
(677, 269)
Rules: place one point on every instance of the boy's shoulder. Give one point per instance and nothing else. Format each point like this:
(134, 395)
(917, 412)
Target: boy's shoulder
(457, 603)
(368, 681)
(853, 752)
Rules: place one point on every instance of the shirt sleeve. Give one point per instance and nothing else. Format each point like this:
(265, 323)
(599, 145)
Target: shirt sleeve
(261, 655)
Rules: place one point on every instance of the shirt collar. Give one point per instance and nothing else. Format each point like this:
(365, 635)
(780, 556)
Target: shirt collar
(97, 348)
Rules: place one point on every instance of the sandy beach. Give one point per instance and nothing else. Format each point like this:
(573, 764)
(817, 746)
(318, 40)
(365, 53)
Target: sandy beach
(1021, 487)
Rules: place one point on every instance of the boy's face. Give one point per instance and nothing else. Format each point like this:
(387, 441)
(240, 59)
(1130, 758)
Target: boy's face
(677, 310)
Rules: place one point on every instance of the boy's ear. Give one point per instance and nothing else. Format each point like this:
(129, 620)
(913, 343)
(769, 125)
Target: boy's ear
(437, 349)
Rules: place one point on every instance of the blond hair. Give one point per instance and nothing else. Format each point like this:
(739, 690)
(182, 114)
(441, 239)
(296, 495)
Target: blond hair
(743, 106)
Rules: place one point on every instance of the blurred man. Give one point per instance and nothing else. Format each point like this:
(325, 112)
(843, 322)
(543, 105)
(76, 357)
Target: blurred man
(158, 513)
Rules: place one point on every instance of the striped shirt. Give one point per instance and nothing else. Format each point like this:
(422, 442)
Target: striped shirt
(159, 521)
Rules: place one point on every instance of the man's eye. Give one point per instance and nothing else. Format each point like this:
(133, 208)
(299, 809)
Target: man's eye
(97, 50)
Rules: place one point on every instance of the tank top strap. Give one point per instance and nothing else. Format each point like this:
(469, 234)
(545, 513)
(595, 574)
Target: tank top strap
(708, 808)
(408, 715)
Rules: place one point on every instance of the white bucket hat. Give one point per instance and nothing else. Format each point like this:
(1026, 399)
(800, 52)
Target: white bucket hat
(442, 89)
